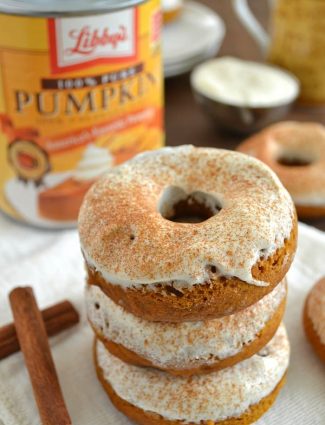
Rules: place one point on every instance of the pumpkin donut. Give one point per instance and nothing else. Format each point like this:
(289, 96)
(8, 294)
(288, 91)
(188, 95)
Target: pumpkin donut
(187, 234)
(296, 152)
(314, 318)
(238, 395)
(190, 347)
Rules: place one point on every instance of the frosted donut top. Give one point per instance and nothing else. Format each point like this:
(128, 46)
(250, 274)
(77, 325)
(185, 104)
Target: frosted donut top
(182, 345)
(299, 141)
(124, 236)
(216, 396)
(316, 308)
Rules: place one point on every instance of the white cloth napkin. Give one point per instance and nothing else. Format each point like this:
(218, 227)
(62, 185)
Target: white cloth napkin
(50, 261)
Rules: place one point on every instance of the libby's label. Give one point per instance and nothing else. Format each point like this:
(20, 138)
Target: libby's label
(78, 95)
(78, 42)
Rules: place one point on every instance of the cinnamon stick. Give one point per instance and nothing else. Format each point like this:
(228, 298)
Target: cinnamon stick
(57, 318)
(38, 359)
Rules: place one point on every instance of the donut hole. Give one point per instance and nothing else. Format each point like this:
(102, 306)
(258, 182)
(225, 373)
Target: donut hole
(180, 207)
(292, 159)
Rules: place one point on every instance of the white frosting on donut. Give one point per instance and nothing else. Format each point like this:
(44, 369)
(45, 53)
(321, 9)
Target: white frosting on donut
(124, 236)
(181, 345)
(316, 309)
(216, 396)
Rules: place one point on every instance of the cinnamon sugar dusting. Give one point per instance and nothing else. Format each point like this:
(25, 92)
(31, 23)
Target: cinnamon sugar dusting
(216, 396)
(316, 308)
(182, 345)
(124, 236)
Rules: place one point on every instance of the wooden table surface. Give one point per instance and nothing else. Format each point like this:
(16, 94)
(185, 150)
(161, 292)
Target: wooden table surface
(185, 121)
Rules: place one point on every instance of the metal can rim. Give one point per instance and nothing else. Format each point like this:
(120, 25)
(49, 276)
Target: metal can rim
(55, 9)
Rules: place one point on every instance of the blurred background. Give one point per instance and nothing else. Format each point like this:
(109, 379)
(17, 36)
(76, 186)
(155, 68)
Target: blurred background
(185, 121)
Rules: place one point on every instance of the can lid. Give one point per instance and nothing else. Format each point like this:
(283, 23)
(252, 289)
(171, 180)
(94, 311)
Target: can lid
(63, 7)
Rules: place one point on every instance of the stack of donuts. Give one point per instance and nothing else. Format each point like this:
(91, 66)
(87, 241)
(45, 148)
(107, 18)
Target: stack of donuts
(186, 251)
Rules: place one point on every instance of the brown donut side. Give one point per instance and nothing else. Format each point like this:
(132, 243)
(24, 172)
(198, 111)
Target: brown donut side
(311, 334)
(142, 417)
(266, 334)
(221, 297)
(310, 211)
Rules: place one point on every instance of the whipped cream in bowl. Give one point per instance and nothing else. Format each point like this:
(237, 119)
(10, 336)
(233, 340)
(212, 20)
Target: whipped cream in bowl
(94, 163)
(243, 96)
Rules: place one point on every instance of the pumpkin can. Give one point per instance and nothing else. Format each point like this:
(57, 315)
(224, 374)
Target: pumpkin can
(81, 91)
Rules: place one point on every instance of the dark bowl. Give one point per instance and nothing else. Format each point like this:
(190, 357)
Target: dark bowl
(239, 119)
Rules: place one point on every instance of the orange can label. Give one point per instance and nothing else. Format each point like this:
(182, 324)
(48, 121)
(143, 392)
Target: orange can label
(78, 95)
